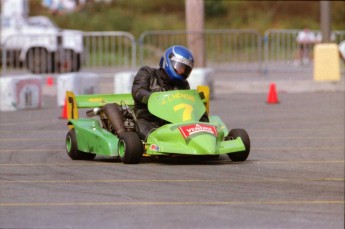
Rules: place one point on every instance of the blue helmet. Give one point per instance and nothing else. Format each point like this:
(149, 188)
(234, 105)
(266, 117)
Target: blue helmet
(178, 62)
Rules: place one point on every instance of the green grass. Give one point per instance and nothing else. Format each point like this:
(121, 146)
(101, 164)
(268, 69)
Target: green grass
(137, 16)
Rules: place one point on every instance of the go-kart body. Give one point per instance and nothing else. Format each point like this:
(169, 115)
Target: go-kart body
(184, 135)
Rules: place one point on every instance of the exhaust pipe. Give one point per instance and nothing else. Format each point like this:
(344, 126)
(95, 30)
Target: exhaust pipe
(94, 112)
(114, 115)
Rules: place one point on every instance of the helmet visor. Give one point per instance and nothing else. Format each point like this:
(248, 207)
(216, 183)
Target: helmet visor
(181, 67)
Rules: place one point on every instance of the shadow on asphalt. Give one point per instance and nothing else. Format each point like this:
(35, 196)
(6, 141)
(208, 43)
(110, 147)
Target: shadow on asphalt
(177, 160)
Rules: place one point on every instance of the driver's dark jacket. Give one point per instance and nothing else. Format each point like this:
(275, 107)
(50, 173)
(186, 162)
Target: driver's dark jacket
(147, 81)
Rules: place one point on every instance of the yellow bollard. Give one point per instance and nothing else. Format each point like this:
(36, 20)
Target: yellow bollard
(326, 62)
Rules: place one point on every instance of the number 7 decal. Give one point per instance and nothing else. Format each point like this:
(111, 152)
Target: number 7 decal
(187, 111)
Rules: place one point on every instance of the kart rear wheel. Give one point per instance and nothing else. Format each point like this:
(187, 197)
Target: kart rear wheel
(243, 155)
(130, 148)
(72, 148)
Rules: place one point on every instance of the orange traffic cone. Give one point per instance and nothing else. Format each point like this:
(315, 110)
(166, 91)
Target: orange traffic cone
(64, 111)
(272, 97)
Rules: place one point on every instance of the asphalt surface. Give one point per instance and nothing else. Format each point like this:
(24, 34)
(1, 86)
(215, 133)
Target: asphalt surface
(293, 178)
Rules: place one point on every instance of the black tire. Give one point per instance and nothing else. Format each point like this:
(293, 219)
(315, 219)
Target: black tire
(130, 148)
(70, 62)
(72, 148)
(54, 65)
(76, 62)
(243, 155)
(37, 60)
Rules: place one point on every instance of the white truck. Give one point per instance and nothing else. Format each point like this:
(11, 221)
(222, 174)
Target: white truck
(38, 44)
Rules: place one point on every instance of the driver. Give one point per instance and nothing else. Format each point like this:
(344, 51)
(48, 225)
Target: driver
(175, 66)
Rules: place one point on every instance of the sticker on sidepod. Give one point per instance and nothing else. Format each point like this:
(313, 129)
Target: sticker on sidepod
(154, 147)
(189, 130)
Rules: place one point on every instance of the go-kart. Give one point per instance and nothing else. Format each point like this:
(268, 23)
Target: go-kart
(183, 135)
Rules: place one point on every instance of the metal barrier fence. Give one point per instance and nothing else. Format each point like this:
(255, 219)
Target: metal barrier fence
(109, 49)
(224, 49)
(281, 48)
(42, 53)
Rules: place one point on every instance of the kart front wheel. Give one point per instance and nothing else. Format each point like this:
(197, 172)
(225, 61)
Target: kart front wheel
(243, 155)
(72, 148)
(130, 148)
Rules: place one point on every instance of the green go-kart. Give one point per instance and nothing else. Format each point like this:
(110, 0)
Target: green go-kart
(183, 135)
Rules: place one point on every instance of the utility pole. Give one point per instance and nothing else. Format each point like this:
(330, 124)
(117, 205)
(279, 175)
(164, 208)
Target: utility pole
(325, 19)
(195, 28)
